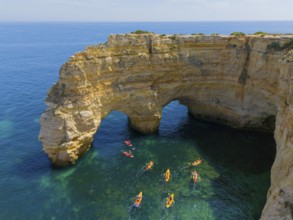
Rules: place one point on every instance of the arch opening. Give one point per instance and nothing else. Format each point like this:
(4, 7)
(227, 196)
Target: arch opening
(113, 130)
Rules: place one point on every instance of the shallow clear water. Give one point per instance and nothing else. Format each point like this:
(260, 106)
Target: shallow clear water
(235, 173)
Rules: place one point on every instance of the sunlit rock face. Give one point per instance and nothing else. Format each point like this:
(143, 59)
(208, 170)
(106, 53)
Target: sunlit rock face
(233, 80)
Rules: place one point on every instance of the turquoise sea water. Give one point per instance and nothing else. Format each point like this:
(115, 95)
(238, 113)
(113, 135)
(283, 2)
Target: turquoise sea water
(235, 173)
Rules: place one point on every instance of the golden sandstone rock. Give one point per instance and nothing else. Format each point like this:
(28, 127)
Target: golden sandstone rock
(240, 81)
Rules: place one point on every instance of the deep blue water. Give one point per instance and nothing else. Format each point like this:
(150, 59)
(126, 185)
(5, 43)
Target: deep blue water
(234, 174)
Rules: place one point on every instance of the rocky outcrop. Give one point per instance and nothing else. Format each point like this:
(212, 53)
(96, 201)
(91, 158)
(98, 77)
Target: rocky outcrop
(239, 81)
(280, 195)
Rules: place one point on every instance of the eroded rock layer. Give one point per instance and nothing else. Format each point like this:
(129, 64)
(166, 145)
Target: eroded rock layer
(239, 81)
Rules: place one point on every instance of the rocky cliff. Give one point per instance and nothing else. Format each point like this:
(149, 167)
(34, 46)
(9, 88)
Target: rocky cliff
(241, 81)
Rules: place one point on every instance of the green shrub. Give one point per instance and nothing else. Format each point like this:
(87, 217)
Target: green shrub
(275, 46)
(215, 34)
(197, 34)
(288, 45)
(237, 34)
(141, 32)
(260, 33)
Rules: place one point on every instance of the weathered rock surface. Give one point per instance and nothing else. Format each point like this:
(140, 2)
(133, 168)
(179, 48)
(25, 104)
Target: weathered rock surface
(233, 80)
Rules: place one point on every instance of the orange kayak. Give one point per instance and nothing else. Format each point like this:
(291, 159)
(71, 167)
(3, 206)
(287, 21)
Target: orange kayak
(167, 175)
(194, 176)
(149, 165)
(195, 163)
(169, 200)
(138, 200)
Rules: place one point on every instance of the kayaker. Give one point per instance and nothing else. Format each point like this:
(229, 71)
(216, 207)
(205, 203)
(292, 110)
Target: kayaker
(195, 177)
(149, 165)
(128, 143)
(167, 175)
(138, 200)
(127, 154)
(169, 200)
(195, 163)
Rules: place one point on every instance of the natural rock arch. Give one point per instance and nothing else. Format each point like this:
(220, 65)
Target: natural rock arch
(235, 80)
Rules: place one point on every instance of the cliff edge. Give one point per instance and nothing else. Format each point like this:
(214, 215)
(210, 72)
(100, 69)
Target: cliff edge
(243, 81)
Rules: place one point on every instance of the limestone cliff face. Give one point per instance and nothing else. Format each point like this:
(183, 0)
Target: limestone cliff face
(233, 80)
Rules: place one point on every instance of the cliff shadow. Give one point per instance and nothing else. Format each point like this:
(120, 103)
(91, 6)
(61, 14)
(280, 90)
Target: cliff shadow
(241, 158)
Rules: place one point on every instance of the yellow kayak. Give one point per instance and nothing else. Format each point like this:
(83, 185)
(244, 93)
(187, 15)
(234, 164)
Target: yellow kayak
(195, 163)
(167, 175)
(169, 200)
(149, 166)
(138, 200)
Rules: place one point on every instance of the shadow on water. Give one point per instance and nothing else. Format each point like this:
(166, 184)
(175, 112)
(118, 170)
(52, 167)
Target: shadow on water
(225, 146)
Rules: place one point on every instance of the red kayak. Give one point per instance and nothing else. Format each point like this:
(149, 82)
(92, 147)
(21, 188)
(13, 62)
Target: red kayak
(127, 154)
(128, 143)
